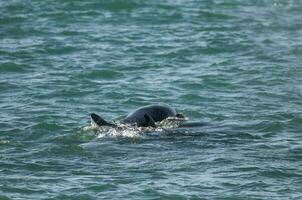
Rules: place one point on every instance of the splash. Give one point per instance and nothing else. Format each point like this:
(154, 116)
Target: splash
(130, 130)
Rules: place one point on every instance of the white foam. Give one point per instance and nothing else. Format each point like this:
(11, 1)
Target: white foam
(131, 131)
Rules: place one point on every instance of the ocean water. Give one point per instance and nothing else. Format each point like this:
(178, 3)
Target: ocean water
(236, 65)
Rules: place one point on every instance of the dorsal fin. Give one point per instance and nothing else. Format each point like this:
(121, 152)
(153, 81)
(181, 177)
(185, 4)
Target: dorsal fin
(100, 121)
(178, 115)
(149, 120)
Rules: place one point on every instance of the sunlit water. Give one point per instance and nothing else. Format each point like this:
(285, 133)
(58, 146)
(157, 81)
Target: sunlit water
(235, 65)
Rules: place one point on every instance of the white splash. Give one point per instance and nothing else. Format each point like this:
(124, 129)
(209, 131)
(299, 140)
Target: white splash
(130, 130)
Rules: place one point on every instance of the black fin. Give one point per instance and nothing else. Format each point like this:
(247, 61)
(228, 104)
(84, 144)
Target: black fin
(178, 115)
(100, 121)
(149, 121)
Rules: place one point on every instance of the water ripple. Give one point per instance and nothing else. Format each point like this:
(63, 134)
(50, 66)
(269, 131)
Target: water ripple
(233, 65)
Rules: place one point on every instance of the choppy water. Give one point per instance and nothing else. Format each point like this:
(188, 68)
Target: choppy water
(233, 64)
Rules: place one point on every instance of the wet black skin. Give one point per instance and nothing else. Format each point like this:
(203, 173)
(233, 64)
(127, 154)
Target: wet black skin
(143, 116)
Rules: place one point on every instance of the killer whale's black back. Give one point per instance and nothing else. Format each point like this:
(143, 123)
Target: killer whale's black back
(157, 112)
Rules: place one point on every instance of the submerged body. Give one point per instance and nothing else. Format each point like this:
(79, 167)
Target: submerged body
(143, 116)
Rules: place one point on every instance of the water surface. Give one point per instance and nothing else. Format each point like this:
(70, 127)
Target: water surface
(233, 64)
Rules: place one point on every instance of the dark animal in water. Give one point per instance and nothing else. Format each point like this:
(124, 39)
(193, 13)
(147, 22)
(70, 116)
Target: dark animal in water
(142, 117)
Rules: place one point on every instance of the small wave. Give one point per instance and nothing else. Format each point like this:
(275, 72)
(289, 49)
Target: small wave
(215, 15)
(12, 67)
(59, 50)
(4, 142)
(280, 173)
(116, 5)
(104, 74)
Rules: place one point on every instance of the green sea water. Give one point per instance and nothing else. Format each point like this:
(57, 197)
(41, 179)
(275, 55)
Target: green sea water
(236, 65)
